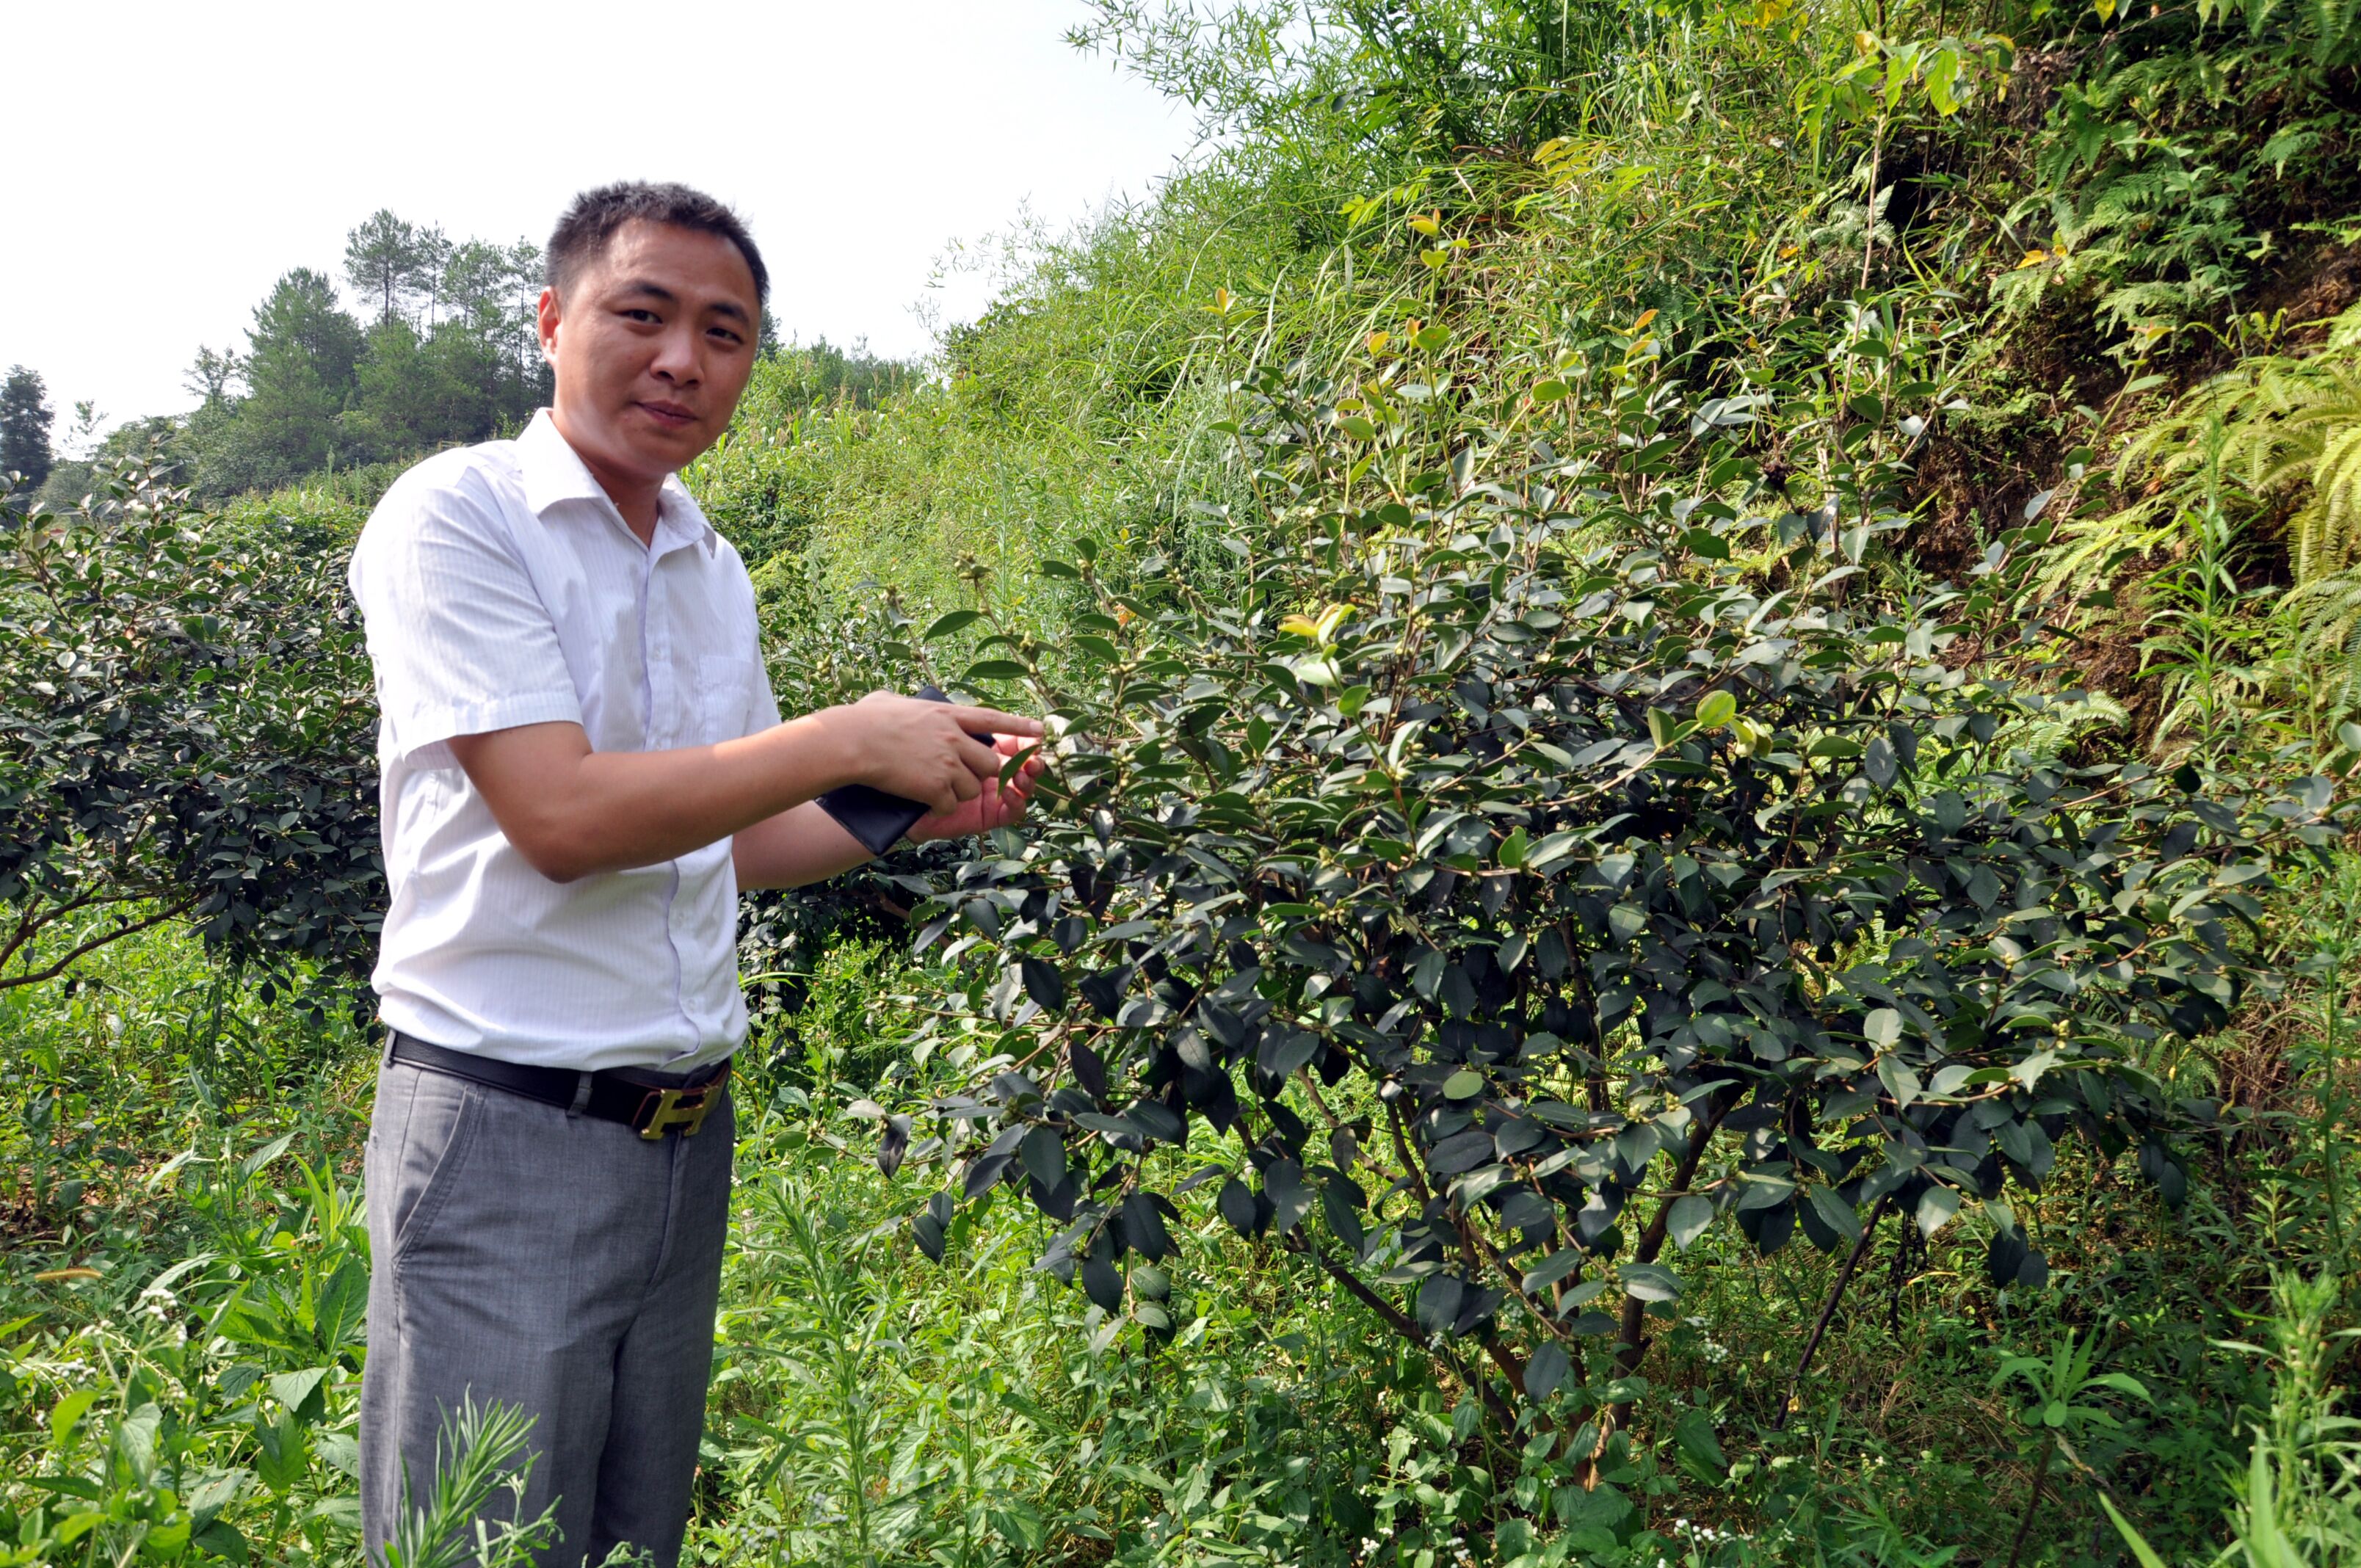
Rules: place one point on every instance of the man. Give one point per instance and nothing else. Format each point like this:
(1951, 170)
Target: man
(583, 765)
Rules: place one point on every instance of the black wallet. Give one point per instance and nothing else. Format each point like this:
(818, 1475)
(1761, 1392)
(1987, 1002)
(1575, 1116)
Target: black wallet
(871, 815)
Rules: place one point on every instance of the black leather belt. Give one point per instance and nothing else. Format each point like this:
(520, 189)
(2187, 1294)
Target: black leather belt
(648, 1103)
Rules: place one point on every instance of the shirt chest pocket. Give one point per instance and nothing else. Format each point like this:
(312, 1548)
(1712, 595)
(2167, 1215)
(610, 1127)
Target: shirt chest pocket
(725, 694)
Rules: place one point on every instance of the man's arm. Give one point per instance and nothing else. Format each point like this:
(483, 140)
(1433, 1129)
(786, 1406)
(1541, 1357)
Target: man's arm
(806, 845)
(572, 812)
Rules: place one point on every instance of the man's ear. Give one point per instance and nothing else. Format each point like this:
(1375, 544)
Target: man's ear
(546, 321)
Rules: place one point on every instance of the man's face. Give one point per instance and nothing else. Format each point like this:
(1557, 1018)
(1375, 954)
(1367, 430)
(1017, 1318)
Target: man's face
(652, 343)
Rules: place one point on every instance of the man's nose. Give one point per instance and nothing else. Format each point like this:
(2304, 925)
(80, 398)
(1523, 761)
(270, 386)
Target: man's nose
(677, 358)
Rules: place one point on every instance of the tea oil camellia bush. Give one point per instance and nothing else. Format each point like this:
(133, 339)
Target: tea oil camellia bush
(1501, 881)
(185, 733)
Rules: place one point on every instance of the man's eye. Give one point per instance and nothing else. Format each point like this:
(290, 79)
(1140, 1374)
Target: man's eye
(640, 316)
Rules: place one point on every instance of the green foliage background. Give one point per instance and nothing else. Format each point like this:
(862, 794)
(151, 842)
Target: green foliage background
(2050, 305)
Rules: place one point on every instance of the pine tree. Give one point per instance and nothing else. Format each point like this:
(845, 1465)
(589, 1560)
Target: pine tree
(301, 371)
(389, 261)
(25, 420)
(212, 373)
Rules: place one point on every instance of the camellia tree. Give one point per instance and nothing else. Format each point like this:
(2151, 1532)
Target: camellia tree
(1517, 868)
(186, 731)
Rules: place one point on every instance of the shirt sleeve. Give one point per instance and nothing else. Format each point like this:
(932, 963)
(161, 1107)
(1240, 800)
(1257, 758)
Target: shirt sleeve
(765, 713)
(458, 636)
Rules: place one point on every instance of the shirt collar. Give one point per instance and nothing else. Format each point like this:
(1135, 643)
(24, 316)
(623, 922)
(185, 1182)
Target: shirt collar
(553, 472)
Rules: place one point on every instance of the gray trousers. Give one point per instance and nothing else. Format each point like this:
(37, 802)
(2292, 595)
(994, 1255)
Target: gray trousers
(548, 1261)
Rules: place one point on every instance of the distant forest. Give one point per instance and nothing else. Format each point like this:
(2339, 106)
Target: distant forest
(430, 342)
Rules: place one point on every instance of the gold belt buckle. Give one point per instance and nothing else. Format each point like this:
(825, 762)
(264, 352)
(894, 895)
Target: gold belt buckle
(681, 1108)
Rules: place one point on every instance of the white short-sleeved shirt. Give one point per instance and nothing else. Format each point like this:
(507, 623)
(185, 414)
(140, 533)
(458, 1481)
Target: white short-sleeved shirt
(500, 587)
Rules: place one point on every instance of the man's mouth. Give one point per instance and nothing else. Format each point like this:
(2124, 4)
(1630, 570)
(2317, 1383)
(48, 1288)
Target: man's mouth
(671, 416)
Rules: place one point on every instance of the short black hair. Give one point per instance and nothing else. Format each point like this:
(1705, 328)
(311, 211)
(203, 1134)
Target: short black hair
(590, 223)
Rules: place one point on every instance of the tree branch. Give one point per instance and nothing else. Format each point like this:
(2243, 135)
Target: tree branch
(1403, 1324)
(1632, 1341)
(1829, 1310)
(35, 977)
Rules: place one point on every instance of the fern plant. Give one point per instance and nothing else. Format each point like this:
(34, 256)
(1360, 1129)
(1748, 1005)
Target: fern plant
(2274, 428)
(2149, 197)
(2327, 615)
(2280, 432)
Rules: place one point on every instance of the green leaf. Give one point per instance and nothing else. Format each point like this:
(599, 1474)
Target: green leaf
(1882, 1028)
(1042, 981)
(1693, 1434)
(2141, 1549)
(1649, 1282)
(1043, 1155)
(1020, 1526)
(1236, 1203)
(1344, 1223)
(1937, 1205)
(1942, 74)
(1836, 1213)
(993, 670)
(953, 621)
(1100, 1281)
(1550, 851)
(1705, 544)
(68, 1411)
(1688, 1217)
(1545, 1369)
(295, 1392)
(1285, 1052)
(2122, 1383)
(1551, 1270)
(1465, 1084)
(223, 1539)
(1438, 1303)
(1715, 709)
(282, 1453)
(927, 1232)
(1900, 1080)
(1878, 761)
(1290, 1199)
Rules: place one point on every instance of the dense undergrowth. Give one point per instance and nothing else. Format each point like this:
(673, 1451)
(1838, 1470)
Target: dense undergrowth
(2048, 304)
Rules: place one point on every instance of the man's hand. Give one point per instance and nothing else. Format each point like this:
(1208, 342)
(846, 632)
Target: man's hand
(926, 751)
(806, 845)
(998, 806)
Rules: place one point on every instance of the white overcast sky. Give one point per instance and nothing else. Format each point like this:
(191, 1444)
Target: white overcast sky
(175, 159)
